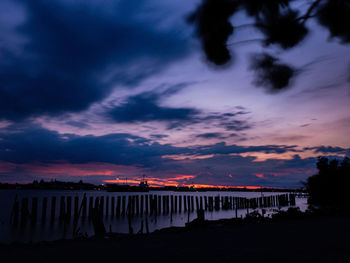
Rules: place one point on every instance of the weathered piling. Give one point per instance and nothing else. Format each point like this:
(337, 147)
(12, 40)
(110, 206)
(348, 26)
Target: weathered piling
(34, 213)
(101, 206)
(83, 206)
(217, 203)
(96, 206)
(151, 204)
(15, 212)
(159, 204)
(205, 202)
(107, 206)
(129, 205)
(155, 198)
(188, 203)
(91, 202)
(69, 208)
(43, 210)
(167, 204)
(112, 206)
(24, 211)
(76, 208)
(185, 203)
(197, 203)
(62, 208)
(117, 209)
(175, 205)
(192, 203)
(235, 200)
(180, 204)
(146, 204)
(172, 203)
(137, 204)
(201, 203)
(53, 209)
(210, 203)
(123, 205)
(141, 204)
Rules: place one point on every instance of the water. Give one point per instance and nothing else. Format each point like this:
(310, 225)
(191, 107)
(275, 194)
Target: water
(57, 229)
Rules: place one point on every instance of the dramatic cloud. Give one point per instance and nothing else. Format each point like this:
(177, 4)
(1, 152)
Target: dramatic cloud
(34, 150)
(73, 53)
(145, 107)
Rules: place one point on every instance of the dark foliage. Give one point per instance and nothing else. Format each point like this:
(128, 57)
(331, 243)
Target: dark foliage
(255, 7)
(214, 28)
(281, 24)
(329, 187)
(270, 73)
(283, 29)
(335, 15)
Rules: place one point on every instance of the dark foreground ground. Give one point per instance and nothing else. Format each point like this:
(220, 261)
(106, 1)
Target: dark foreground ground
(317, 239)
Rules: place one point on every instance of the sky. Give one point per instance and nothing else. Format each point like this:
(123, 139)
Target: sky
(106, 91)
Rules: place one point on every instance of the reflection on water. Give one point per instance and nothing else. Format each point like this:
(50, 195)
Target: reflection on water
(150, 211)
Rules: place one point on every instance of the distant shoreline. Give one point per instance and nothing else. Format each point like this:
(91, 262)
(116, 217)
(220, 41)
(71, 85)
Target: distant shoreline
(59, 185)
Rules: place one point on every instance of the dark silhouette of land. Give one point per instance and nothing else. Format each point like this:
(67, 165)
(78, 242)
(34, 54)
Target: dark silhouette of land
(308, 239)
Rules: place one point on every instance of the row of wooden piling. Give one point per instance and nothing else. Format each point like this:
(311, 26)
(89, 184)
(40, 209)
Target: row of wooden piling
(135, 205)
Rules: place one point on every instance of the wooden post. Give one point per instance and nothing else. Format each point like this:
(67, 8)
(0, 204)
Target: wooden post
(117, 211)
(91, 202)
(15, 212)
(172, 203)
(175, 206)
(201, 203)
(101, 206)
(83, 206)
(188, 203)
(76, 208)
(43, 210)
(155, 198)
(107, 206)
(123, 205)
(151, 204)
(137, 205)
(146, 203)
(129, 205)
(205, 202)
(236, 206)
(24, 211)
(197, 203)
(62, 208)
(53, 208)
(69, 207)
(180, 204)
(159, 204)
(192, 203)
(112, 206)
(141, 210)
(34, 214)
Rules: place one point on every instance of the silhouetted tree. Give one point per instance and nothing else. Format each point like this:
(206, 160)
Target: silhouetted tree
(330, 186)
(280, 23)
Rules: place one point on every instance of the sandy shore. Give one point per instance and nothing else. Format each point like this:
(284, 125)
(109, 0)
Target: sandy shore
(316, 239)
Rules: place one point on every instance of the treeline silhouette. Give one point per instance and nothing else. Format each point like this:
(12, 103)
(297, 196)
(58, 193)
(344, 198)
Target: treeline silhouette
(329, 188)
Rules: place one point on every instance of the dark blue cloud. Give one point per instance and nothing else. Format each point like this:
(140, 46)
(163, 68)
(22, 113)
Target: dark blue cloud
(210, 135)
(145, 107)
(328, 149)
(29, 143)
(74, 52)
